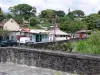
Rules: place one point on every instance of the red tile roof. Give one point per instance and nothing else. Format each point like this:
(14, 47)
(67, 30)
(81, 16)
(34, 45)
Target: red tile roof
(26, 29)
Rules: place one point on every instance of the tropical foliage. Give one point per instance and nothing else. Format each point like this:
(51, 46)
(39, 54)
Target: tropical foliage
(23, 10)
(1, 15)
(91, 45)
(92, 21)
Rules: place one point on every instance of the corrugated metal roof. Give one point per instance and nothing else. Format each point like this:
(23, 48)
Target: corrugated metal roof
(57, 31)
(39, 31)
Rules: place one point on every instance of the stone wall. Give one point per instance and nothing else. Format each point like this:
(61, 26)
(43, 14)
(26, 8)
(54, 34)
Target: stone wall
(69, 62)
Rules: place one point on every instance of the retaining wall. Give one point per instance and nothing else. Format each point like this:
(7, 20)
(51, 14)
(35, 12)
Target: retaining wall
(68, 62)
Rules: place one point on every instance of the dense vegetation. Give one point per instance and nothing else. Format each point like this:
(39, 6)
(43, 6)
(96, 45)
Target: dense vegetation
(91, 45)
(67, 47)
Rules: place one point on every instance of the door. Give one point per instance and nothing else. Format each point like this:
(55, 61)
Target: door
(33, 38)
(38, 38)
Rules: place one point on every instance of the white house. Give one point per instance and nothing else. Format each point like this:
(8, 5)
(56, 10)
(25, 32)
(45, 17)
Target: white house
(39, 35)
(10, 25)
(55, 34)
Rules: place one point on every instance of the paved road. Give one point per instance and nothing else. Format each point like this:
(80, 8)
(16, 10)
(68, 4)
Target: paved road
(14, 69)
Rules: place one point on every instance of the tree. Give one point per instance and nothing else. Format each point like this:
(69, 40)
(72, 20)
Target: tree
(98, 24)
(72, 26)
(78, 13)
(8, 15)
(34, 21)
(68, 24)
(99, 12)
(48, 14)
(91, 21)
(60, 13)
(70, 15)
(52, 15)
(3, 33)
(18, 19)
(65, 18)
(23, 10)
(1, 15)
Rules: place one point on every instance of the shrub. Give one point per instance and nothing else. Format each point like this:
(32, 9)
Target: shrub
(66, 47)
(94, 39)
(91, 45)
(61, 47)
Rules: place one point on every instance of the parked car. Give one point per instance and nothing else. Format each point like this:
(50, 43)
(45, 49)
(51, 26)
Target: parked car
(4, 43)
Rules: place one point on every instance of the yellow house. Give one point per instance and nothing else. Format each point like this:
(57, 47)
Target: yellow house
(10, 25)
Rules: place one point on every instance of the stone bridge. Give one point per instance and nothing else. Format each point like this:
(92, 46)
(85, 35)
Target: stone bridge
(65, 62)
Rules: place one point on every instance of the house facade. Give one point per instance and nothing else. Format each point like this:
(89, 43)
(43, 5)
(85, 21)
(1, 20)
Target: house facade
(55, 34)
(39, 36)
(13, 35)
(10, 25)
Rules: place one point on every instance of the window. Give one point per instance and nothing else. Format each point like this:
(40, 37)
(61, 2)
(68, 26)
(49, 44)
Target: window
(63, 35)
(60, 35)
(57, 35)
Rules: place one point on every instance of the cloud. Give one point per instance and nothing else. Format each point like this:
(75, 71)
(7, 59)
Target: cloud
(88, 6)
(8, 3)
(49, 4)
(4, 7)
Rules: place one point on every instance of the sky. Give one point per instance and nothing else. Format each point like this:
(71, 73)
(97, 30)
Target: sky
(88, 6)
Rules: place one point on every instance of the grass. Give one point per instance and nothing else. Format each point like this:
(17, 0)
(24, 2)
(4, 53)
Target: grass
(85, 47)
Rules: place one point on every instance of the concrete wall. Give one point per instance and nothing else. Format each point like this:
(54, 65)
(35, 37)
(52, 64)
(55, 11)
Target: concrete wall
(69, 62)
(14, 35)
(57, 38)
(60, 38)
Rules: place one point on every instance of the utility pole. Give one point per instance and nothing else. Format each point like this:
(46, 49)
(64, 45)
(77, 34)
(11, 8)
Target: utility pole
(55, 28)
(29, 25)
(54, 32)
